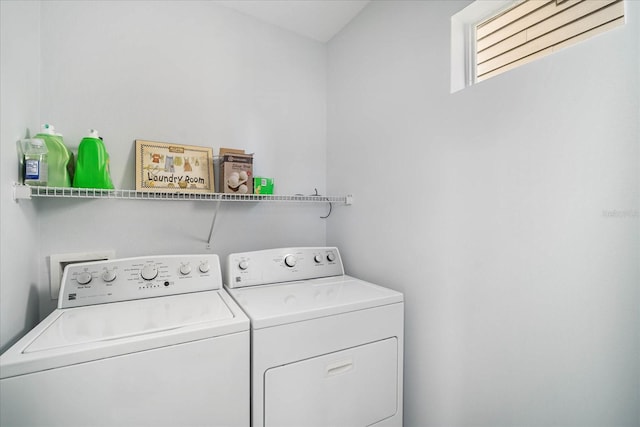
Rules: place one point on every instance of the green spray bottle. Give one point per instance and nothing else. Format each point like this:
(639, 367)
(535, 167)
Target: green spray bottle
(92, 170)
(60, 158)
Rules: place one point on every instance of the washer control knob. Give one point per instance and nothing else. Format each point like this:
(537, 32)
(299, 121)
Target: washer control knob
(331, 257)
(185, 269)
(109, 275)
(243, 265)
(290, 260)
(204, 267)
(84, 278)
(317, 259)
(149, 272)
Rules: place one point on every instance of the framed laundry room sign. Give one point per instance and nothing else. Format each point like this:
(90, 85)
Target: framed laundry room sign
(176, 168)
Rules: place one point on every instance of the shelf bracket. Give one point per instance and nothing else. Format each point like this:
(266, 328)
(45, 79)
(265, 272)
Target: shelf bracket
(213, 223)
(21, 191)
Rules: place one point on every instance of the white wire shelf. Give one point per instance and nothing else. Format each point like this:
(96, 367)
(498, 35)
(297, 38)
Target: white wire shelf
(21, 192)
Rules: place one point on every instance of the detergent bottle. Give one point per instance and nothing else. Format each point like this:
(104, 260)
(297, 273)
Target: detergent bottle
(92, 170)
(59, 157)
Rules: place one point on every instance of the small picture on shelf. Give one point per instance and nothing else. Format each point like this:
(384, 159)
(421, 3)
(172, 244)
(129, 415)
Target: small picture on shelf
(176, 168)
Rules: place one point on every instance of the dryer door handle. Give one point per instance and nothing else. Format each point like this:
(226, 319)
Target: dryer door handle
(340, 367)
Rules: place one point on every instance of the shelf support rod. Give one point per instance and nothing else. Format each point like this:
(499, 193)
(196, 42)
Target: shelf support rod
(213, 222)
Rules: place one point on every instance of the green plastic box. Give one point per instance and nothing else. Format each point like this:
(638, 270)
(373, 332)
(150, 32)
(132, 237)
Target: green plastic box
(262, 185)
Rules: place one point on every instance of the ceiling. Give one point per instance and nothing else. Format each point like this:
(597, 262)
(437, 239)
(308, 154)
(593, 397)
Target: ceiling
(316, 19)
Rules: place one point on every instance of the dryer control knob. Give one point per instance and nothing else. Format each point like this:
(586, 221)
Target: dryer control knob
(317, 259)
(109, 275)
(243, 265)
(331, 257)
(185, 269)
(84, 278)
(204, 267)
(149, 272)
(290, 260)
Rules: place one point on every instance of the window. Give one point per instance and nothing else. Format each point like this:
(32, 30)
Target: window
(489, 37)
(531, 29)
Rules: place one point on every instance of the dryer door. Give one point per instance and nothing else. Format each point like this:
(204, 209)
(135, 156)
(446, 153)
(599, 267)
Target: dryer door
(353, 387)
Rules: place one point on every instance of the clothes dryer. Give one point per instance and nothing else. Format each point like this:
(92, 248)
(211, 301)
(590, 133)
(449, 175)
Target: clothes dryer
(147, 341)
(326, 348)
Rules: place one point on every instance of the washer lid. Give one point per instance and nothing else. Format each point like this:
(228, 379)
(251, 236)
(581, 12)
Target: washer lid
(81, 334)
(271, 305)
(107, 322)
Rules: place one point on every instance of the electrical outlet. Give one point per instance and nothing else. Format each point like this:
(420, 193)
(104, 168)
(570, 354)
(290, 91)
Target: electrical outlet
(57, 263)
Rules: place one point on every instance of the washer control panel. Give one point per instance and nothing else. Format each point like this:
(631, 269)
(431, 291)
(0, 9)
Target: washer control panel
(281, 265)
(127, 279)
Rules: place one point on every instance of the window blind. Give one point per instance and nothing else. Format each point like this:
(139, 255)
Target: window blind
(535, 28)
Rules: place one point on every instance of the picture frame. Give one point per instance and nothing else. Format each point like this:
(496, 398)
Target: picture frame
(166, 167)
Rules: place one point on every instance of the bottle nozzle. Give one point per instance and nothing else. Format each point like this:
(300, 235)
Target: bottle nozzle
(48, 129)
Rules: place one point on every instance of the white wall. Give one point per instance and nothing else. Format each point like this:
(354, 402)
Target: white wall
(184, 72)
(19, 108)
(491, 210)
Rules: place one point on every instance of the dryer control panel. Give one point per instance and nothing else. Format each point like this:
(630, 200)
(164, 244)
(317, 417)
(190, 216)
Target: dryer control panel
(125, 279)
(281, 265)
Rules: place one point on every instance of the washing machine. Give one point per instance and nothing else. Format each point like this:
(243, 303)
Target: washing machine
(145, 341)
(326, 348)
